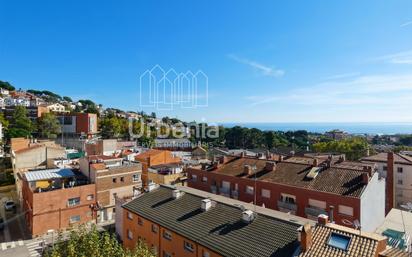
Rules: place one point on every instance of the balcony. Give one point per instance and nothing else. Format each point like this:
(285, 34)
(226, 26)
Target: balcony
(314, 211)
(287, 207)
(224, 191)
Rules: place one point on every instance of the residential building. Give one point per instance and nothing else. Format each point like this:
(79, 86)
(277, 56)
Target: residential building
(78, 123)
(304, 186)
(169, 174)
(57, 199)
(113, 177)
(397, 170)
(33, 112)
(185, 222)
(173, 144)
(108, 146)
(154, 157)
(336, 134)
(56, 107)
(199, 153)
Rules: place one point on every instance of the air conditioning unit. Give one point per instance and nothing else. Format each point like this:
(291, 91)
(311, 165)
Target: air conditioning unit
(206, 204)
(177, 194)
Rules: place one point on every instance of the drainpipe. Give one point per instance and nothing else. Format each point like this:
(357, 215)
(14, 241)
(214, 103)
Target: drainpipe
(331, 213)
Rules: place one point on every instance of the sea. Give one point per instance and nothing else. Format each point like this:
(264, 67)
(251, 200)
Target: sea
(369, 128)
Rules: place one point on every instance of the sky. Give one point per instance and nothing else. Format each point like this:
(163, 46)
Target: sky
(260, 61)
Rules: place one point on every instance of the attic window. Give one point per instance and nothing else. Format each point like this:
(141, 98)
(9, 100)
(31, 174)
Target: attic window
(339, 241)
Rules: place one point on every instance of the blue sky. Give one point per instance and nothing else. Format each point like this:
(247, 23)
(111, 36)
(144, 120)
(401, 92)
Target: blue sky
(266, 61)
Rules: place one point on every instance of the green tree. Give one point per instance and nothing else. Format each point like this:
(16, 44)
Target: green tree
(48, 126)
(67, 99)
(354, 148)
(21, 125)
(6, 85)
(90, 242)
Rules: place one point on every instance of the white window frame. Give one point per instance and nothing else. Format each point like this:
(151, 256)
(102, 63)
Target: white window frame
(265, 193)
(76, 220)
(90, 197)
(317, 204)
(136, 178)
(167, 235)
(130, 234)
(73, 201)
(188, 246)
(249, 190)
(129, 215)
(345, 210)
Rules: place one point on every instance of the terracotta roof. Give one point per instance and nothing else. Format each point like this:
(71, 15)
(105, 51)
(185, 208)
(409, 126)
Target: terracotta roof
(393, 252)
(364, 244)
(383, 157)
(337, 180)
(149, 153)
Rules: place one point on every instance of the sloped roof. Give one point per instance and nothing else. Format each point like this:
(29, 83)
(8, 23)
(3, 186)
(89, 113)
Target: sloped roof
(383, 157)
(364, 244)
(220, 229)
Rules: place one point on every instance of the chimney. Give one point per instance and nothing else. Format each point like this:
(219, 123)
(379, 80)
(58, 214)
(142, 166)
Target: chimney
(390, 183)
(368, 169)
(247, 169)
(177, 194)
(280, 158)
(206, 204)
(365, 178)
(270, 166)
(315, 162)
(342, 158)
(331, 208)
(323, 219)
(248, 216)
(305, 237)
(242, 154)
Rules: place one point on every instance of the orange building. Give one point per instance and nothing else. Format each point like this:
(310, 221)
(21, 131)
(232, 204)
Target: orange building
(57, 199)
(185, 222)
(152, 158)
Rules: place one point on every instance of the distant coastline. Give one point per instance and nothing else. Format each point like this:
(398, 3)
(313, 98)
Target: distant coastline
(371, 128)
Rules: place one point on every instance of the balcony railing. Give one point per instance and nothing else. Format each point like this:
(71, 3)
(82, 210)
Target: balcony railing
(235, 194)
(287, 206)
(224, 191)
(314, 211)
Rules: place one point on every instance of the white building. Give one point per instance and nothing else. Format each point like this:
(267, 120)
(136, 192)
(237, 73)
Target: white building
(56, 107)
(402, 174)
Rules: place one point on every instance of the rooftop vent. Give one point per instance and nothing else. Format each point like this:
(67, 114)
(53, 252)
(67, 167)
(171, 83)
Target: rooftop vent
(151, 186)
(206, 204)
(248, 216)
(177, 194)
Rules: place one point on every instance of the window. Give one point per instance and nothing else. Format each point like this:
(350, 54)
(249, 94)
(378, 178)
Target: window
(90, 197)
(288, 198)
(114, 180)
(385, 167)
(140, 221)
(130, 216)
(250, 190)
(205, 254)
(194, 177)
(165, 254)
(339, 241)
(136, 178)
(266, 193)
(400, 182)
(129, 234)
(317, 204)
(167, 235)
(345, 210)
(155, 228)
(400, 169)
(121, 179)
(74, 219)
(188, 246)
(204, 179)
(73, 201)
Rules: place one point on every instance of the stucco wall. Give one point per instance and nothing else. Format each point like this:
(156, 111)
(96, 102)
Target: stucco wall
(373, 204)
